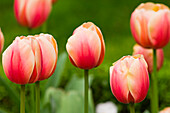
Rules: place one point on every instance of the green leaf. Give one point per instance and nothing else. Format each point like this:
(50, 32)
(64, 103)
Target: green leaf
(54, 80)
(3, 111)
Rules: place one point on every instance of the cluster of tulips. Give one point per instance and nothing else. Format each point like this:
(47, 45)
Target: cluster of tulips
(31, 59)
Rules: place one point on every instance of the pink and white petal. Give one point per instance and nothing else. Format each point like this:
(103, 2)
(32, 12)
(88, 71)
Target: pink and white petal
(138, 80)
(158, 29)
(20, 10)
(118, 82)
(6, 62)
(37, 54)
(37, 12)
(48, 56)
(84, 48)
(1, 40)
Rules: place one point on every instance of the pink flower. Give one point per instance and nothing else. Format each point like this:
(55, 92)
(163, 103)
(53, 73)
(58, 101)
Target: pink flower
(32, 13)
(150, 25)
(30, 59)
(129, 79)
(1, 41)
(165, 110)
(148, 55)
(86, 47)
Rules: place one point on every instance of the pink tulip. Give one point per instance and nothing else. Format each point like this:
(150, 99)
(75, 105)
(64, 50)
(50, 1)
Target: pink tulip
(1, 41)
(129, 79)
(25, 61)
(86, 47)
(148, 55)
(166, 110)
(32, 13)
(150, 25)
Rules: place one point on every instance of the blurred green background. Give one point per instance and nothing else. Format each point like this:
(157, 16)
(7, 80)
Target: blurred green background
(112, 17)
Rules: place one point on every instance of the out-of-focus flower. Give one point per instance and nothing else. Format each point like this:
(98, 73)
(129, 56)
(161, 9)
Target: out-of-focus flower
(107, 107)
(1, 41)
(148, 55)
(86, 47)
(129, 79)
(53, 1)
(150, 25)
(32, 13)
(165, 110)
(30, 59)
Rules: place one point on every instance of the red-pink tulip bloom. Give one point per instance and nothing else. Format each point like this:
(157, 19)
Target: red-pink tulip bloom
(148, 55)
(32, 13)
(150, 25)
(165, 110)
(86, 47)
(1, 41)
(129, 79)
(30, 59)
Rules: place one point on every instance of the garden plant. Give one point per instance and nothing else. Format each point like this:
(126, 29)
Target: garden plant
(84, 56)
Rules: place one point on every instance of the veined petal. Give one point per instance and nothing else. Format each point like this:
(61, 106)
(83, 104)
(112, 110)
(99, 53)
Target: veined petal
(158, 29)
(138, 80)
(48, 56)
(19, 64)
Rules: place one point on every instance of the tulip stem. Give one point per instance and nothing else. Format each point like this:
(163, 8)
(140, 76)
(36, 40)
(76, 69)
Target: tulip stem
(132, 107)
(44, 27)
(22, 104)
(86, 91)
(37, 89)
(154, 89)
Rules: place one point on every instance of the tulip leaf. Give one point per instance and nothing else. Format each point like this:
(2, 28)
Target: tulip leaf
(54, 80)
(57, 100)
(3, 111)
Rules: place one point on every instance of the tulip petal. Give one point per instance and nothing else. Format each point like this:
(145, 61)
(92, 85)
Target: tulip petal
(84, 48)
(48, 56)
(18, 62)
(158, 28)
(118, 82)
(138, 80)
(37, 12)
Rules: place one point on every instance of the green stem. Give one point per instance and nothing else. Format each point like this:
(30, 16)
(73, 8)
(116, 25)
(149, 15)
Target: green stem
(32, 104)
(86, 91)
(132, 107)
(154, 89)
(37, 90)
(22, 104)
(44, 27)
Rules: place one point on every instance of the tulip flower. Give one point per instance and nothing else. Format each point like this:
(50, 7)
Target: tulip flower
(165, 110)
(129, 79)
(1, 41)
(150, 25)
(28, 60)
(32, 13)
(148, 55)
(86, 46)
(86, 50)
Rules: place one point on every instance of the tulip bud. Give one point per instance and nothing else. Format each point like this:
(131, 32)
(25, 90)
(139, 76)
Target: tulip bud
(129, 79)
(150, 25)
(32, 13)
(165, 110)
(1, 41)
(148, 55)
(86, 47)
(24, 60)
